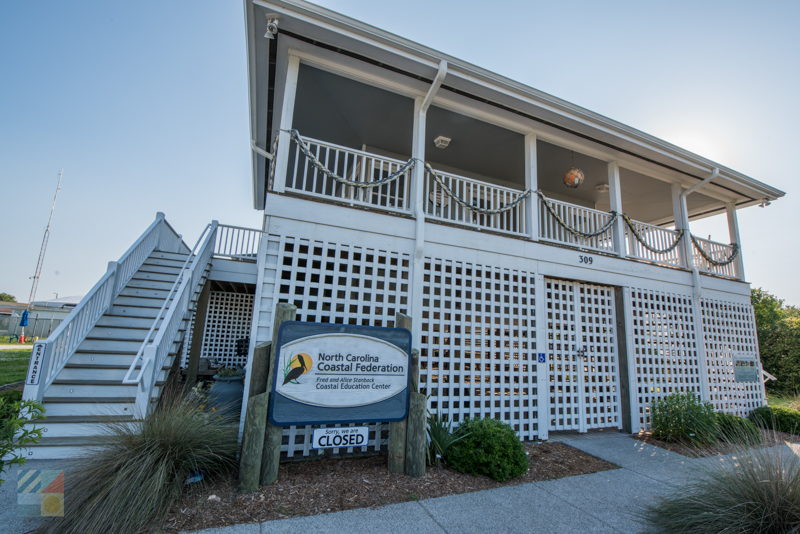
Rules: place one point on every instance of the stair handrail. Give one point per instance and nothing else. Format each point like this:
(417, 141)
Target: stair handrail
(157, 343)
(51, 355)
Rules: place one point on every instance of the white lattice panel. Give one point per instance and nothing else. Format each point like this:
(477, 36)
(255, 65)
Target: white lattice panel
(478, 345)
(664, 348)
(229, 318)
(584, 390)
(345, 284)
(729, 329)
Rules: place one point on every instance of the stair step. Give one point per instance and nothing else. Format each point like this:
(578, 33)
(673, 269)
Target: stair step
(169, 255)
(89, 400)
(93, 388)
(142, 302)
(128, 310)
(158, 269)
(150, 284)
(118, 360)
(172, 263)
(78, 429)
(123, 321)
(150, 275)
(60, 419)
(145, 292)
(56, 409)
(135, 333)
(116, 345)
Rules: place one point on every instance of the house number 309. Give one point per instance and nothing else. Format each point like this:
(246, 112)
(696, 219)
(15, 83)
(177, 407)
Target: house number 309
(585, 259)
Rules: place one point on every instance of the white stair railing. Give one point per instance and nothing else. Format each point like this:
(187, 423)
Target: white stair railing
(52, 354)
(237, 243)
(158, 342)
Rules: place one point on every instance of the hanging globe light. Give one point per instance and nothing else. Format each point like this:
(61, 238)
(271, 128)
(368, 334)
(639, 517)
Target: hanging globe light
(573, 177)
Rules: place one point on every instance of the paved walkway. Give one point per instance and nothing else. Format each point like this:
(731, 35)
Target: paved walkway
(605, 502)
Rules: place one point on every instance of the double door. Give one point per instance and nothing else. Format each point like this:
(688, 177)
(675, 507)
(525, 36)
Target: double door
(583, 361)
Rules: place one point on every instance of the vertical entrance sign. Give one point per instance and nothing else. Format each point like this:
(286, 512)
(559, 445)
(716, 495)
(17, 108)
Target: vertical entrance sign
(329, 374)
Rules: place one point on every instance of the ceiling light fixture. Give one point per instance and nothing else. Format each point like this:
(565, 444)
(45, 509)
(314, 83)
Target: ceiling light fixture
(442, 142)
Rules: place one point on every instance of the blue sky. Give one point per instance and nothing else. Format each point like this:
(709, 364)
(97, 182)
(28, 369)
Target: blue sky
(144, 105)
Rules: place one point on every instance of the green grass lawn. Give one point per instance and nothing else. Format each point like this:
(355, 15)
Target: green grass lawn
(784, 402)
(13, 365)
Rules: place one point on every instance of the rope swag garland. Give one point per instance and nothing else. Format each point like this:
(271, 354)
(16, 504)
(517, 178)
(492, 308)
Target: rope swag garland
(306, 150)
(460, 201)
(643, 242)
(709, 259)
(574, 231)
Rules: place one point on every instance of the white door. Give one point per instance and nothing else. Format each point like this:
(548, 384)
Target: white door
(582, 356)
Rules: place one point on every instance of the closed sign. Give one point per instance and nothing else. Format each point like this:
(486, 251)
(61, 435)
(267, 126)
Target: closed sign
(329, 438)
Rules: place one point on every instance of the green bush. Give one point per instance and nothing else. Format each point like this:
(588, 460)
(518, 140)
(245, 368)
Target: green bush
(487, 447)
(129, 484)
(737, 430)
(775, 418)
(683, 418)
(759, 493)
(14, 435)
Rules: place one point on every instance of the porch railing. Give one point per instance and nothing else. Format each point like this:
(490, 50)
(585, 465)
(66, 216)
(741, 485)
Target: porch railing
(719, 252)
(56, 350)
(585, 220)
(465, 201)
(441, 206)
(159, 342)
(663, 243)
(355, 165)
(236, 243)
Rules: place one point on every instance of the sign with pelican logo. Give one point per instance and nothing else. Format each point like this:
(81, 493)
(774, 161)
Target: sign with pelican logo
(329, 373)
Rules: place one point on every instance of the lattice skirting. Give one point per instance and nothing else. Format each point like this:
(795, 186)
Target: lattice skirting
(479, 334)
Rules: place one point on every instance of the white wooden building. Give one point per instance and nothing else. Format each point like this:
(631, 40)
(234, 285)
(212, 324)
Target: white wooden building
(394, 178)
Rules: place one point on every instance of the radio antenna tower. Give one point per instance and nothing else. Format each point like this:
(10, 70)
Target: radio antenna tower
(43, 249)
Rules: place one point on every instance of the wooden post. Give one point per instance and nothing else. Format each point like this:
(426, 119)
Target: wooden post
(415, 430)
(253, 443)
(196, 343)
(271, 456)
(397, 429)
(260, 369)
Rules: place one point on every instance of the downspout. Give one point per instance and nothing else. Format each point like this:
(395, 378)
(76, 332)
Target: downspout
(697, 288)
(260, 151)
(418, 151)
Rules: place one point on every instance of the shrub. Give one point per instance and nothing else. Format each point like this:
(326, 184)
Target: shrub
(130, 483)
(487, 447)
(759, 493)
(440, 437)
(775, 418)
(737, 430)
(683, 418)
(14, 414)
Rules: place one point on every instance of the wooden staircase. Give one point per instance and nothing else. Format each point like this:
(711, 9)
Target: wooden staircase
(88, 393)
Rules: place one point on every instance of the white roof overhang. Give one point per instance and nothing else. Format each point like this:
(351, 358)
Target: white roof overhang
(332, 30)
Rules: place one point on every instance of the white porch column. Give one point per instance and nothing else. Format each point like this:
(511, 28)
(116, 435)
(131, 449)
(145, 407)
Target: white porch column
(418, 264)
(615, 199)
(532, 184)
(682, 223)
(287, 111)
(733, 232)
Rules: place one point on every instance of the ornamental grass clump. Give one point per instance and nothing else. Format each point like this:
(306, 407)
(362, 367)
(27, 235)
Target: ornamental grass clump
(487, 447)
(755, 491)
(684, 418)
(440, 437)
(737, 430)
(129, 484)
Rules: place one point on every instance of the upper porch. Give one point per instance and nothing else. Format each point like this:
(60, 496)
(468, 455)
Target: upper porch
(344, 141)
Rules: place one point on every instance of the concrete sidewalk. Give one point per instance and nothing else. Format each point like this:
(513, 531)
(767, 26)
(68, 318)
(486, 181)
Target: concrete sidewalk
(609, 501)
